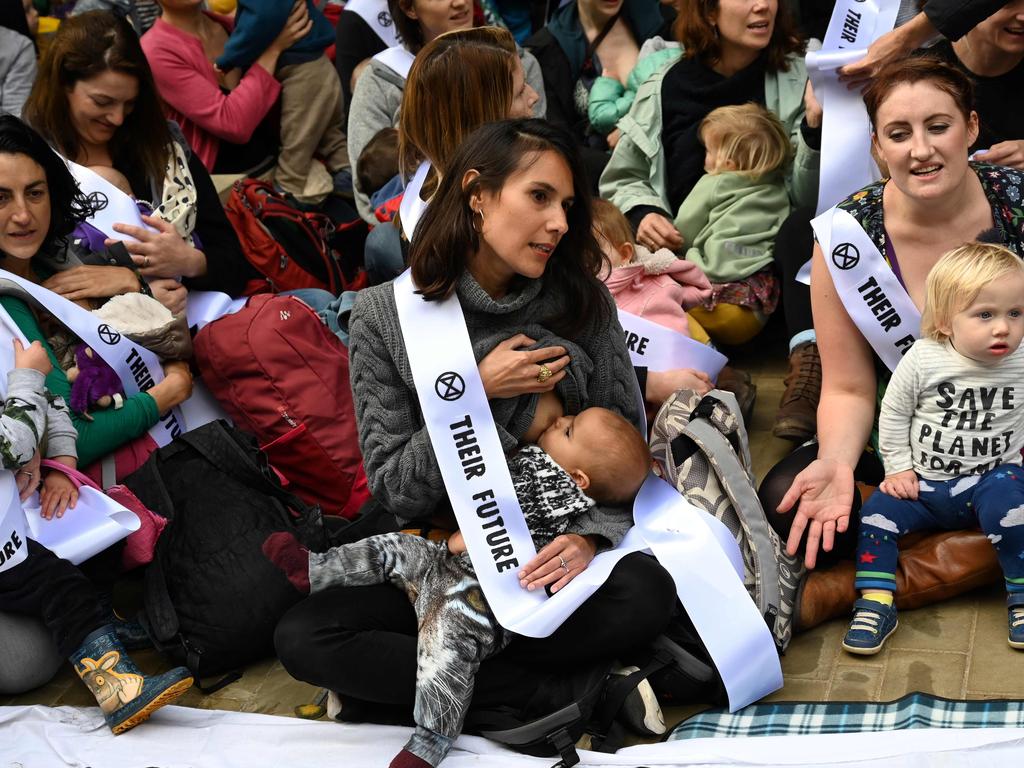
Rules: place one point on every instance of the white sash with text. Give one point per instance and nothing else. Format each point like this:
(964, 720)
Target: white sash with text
(695, 548)
(846, 163)
(136, 367)
(874, 299)
(658, 348)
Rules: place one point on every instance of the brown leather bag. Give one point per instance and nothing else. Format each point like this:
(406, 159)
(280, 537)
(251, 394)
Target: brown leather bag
(931, 567)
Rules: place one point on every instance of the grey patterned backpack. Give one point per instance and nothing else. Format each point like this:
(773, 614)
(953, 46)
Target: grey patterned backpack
(701, 445)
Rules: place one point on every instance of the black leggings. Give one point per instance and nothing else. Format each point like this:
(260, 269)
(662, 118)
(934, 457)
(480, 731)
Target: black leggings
(780, 477)
(794, 244)
(361, 641)
(55, 591)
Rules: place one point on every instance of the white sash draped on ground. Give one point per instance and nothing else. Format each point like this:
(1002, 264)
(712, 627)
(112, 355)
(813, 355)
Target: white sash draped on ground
(136, 367)
(846, 163)
(694, 547)
(96, 522)
(377, 17)
(397, 58)
(412, 206)
(874, 299)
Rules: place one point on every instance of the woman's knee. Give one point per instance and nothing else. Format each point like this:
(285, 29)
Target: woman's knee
(642, 594)
(29, 657)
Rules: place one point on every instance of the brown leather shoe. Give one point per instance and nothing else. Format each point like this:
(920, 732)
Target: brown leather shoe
(931, 568)
(798, 410)
(740, 384)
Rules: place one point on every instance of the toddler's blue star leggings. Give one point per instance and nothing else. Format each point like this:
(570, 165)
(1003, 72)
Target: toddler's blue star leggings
(994, 501)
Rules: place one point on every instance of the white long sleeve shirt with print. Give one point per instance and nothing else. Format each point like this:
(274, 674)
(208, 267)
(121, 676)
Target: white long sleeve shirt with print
(946, 415)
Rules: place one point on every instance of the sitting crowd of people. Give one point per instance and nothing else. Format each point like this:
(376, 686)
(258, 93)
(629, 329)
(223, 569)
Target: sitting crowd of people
(548, 171)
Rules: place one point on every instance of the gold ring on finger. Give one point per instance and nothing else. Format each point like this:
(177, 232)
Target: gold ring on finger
(544, 374)
(145, 261)
(565, 565)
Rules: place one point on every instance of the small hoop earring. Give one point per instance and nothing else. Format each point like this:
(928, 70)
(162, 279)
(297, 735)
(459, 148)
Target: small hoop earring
(478, 229)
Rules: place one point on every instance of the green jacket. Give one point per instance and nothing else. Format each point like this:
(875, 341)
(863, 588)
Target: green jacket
(729, 223)
(635, 175)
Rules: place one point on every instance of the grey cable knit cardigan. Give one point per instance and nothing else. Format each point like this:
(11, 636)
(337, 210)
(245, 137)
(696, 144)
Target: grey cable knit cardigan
(399, 460)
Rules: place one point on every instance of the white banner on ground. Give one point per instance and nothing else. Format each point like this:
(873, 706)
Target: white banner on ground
(658, 348)
(874, 299)
(376, 15)
(202, 738)
(137, 367)
(846, 163)
(695, 548)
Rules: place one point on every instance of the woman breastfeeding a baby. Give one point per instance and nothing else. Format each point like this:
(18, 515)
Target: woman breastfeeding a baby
(40, 205)
(509, 233)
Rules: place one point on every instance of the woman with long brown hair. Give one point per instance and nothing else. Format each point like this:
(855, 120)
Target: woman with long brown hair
(510, 233)
(378, 94)
(458, 82)
(95, 102)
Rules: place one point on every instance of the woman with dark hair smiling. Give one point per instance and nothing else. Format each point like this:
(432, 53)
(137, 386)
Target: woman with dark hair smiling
(40, 204)
(508, 232)
(95, 102)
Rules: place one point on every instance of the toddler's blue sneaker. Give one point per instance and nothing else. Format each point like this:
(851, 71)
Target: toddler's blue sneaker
(1015, 618)
(872, 624)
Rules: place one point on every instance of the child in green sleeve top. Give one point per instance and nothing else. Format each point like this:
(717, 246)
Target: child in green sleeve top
(730, 218)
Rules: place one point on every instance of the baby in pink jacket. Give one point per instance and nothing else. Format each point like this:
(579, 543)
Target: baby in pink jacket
(658, 286)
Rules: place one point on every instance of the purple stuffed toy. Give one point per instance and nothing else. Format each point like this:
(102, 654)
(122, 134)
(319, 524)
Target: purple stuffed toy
(93, 382)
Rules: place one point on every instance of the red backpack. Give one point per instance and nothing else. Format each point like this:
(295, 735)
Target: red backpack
(283, 376)
(290, 248)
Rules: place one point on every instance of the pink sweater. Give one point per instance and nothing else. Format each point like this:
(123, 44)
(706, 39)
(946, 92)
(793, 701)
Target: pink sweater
(188, 85)
(659, 287)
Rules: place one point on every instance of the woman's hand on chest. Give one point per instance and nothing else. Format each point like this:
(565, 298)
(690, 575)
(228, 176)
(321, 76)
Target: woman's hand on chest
(161, 253)
(508, 370)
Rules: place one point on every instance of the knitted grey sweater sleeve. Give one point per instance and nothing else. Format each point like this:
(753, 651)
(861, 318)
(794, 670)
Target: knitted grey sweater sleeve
(397, 455)
(400, 464)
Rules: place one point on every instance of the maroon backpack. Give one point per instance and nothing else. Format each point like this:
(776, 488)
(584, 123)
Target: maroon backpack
(291, 248)
(283, 376)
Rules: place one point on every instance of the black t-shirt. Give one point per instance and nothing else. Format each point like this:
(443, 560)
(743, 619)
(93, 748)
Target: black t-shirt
(998, 101)
(689, 92)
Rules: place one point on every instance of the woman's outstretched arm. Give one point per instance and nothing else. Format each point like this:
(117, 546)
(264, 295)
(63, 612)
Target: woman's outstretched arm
(846, 413)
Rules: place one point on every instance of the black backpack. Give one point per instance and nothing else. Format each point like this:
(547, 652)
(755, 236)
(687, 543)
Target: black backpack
(575, 703)
(212, 600)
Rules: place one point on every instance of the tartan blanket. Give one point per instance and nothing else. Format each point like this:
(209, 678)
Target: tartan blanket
(915, 710)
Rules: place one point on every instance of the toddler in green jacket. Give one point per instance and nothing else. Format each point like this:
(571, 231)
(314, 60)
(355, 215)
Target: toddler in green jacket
(730, 218)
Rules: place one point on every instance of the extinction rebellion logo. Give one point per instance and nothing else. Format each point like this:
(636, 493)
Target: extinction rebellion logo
(845, 256)
(108, 335)
(449, 386)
